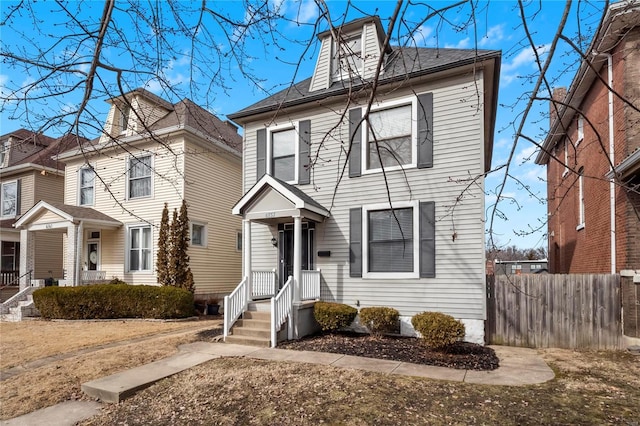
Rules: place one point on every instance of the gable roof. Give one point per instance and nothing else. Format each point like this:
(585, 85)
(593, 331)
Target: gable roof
(69, 213)
(44, 148)
(402, 64)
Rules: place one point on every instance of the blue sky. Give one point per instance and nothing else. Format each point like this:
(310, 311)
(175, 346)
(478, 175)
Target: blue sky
(275, 63)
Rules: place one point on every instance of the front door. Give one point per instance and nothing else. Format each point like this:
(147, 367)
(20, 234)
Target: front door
(92, 255)
(285, 250)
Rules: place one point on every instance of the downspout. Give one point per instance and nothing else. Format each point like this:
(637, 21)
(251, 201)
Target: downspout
(612, 187)
(78, 254)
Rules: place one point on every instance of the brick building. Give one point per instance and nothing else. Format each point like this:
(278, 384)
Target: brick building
(592, 154)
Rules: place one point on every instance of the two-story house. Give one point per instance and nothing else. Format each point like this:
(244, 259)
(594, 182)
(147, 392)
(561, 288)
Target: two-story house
(592, 154)
(151, 152)
(28, 174)
(370, 194)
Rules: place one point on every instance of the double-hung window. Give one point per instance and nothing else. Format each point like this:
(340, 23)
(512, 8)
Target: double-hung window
(347, 58)
(139, 176)
(125, 114)
(87, 186)
(580, 199)
(139, 248)
(390, 137)
(390, 240)
(283, 154)
(198, 234)
(9, 199)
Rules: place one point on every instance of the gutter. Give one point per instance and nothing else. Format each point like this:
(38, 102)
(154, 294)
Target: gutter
(20, 167)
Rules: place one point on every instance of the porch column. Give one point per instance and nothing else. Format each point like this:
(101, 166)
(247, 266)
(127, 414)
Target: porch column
(73, 256)
(27, 257)
(246, 264)
(297, 257)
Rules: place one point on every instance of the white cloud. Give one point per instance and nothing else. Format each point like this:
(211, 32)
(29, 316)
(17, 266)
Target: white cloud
(308, 12)
(493, 36)
(525, 155)
(462, 44)
(525, 58)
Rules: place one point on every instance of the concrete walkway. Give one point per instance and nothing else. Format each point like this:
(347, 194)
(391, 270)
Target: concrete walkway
(518, 366)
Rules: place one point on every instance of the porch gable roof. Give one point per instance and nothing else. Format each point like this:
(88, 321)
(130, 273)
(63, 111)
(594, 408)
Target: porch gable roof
(67, 213)
(298, 198)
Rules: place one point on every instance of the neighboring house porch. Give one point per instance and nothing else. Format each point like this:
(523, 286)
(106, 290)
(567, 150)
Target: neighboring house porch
(86, 231)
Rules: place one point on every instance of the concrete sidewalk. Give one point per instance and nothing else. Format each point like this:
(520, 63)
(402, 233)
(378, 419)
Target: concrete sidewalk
(518, 366)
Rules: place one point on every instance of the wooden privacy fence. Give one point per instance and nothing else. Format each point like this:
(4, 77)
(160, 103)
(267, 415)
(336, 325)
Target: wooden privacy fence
(561, 311)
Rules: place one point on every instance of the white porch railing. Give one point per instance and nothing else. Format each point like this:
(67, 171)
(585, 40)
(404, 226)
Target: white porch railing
(310, 285)
(234, 305)
(263, 284)
(281, 307)
(89, 277)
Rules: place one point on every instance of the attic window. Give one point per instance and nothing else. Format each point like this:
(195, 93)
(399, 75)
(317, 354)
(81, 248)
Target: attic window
(124, 118)
(347, 59)
(4, 151)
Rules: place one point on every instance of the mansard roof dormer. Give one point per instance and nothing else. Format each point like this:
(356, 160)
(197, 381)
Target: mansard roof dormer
(133, 113)
(349, 52)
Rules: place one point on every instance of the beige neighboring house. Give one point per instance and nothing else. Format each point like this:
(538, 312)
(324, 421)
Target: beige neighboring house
(28, 174)
(151, 152)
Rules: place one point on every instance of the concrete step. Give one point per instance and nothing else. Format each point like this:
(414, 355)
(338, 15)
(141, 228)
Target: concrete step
(261, 306)
(251, 332)
(257, 315)
(249, 341)
(253, 323)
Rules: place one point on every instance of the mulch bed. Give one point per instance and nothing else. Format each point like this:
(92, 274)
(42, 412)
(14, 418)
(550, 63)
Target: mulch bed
(462, 355)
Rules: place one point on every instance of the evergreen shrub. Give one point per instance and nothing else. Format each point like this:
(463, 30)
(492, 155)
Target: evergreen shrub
(438, 330)
(333, 316)
(379, 320)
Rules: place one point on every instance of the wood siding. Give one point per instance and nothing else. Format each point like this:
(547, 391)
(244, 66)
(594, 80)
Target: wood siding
(49, 187)
(48, 252)
(458, 288)
(371, 51)
(576, 311)
(322, 75)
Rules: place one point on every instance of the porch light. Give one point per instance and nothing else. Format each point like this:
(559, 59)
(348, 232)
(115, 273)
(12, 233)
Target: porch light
(274, 242)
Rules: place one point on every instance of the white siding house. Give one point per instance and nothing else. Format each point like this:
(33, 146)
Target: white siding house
(396, 223)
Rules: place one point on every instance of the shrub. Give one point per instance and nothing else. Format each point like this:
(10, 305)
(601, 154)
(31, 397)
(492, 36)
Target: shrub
(333, 316)
(438, 330)
(116, 280)
(379, 320)
(113, 301)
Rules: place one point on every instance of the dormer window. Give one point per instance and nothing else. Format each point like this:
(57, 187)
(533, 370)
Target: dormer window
(4, 152)
(124, 118)
(347, 59)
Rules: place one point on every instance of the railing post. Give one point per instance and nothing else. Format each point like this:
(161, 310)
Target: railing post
(225, 331)
(274, 336)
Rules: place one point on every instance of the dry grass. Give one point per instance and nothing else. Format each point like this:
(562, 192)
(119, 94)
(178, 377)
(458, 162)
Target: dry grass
(21, 342)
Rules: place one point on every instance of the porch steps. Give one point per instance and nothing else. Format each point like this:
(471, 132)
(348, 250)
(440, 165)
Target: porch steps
(23, 309)
(254, 328)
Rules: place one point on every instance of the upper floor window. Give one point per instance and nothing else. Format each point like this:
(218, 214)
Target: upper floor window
(4, 152)
(139, 176)
(198, 234)
(566, 157)
(139, 248)
(9, 199)
(87, 186)
(283, 154)
(347, 59)
(389, 137)
(580, 130)
(125, 112)
(580, 199)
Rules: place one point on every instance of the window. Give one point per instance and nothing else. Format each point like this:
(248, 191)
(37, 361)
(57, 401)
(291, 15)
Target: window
(87, 185)
(396, 244)
(283, 155)
(125, 112)
(140, 248)
(580, 130)
(238, 241)
(347, 60)
(10, 259)
(392, 130)
(9, 199)
(4, 152)
(580, 199)
(566, 158)
(198, 234)
(139, 176)
(535, 267)
(516, 269)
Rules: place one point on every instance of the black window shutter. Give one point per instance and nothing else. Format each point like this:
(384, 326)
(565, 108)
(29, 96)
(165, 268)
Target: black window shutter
(355, 138)
(427, 239)
(261, 146)
(304, 141)
(425, 130)
(355, 242)
(18, 196)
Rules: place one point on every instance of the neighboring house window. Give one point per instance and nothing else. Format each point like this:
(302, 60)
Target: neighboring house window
(516, 269)
(87, 186)
(347, 60)
(9, 199)
(397, 135)
(124, 118)
(535, 267)
(4, 152)
(140, 248)
(398, 243)
(139, 176)
(392, 130)
(580, 130)
(239, 241)
(283, 155)
(198, 234)
(566, 158)
(10, 258)
(580, 199)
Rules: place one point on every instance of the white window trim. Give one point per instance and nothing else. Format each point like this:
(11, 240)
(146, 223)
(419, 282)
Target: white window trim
(580, 202)
(411, 100)
(79, 197)
(416, 241)
(566, 158)
(129, 227)
(2, 199)
(337, 74)
(269, 159)
(128, 165)
(580, 130)
(205, 233)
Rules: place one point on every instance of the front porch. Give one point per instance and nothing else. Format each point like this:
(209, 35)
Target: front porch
(293, 286)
